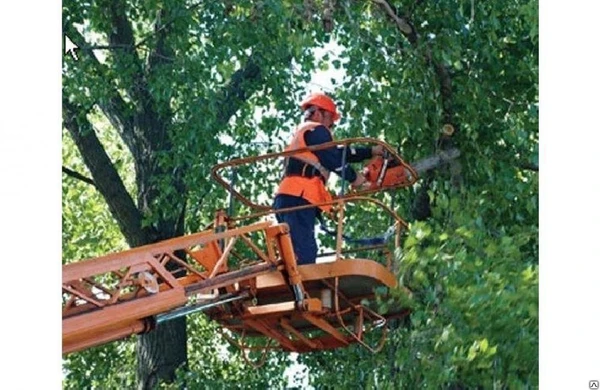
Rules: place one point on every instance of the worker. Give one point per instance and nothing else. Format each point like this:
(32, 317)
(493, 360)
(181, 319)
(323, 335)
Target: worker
(306, 173)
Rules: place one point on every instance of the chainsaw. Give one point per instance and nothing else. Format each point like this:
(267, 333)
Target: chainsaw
(382, 172)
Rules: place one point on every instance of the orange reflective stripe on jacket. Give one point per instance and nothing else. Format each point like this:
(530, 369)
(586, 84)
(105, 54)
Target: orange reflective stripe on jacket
(312, 189)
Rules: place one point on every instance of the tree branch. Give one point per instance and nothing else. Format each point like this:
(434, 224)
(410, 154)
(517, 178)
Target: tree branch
(529, 167)
(244, 82)
(120, 47)
(445, 84)
(405, 27)
(121, 33)
(445, 81)
(161, 53)
(118, 112)
(77, 175)
(433, 162)
(147, 120)
(105, 176)
(103, 47)
(166, 24)
(421, 205)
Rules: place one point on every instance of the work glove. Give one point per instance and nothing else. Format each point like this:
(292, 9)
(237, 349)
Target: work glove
(377, 150)
(360, 183)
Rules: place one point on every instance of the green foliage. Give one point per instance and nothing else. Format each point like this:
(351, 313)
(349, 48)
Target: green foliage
(88, 229)
(214, 364)
(110, 366)
(474, 319)
(472, 266)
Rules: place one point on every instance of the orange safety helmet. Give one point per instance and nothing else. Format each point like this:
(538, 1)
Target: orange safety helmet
(319, 99)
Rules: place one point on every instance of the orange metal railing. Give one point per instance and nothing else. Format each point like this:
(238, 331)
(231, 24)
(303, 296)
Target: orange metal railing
(216, 171)
(125, 293)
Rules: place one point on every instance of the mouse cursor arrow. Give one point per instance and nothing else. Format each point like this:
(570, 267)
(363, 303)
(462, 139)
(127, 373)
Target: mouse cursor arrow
(71, 48)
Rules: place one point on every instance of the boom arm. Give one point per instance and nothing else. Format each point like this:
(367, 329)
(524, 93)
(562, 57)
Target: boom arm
(117, 295)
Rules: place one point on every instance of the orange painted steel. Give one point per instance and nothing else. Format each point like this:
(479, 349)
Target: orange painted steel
(342, 285)
(318, 324)
(299, 308)
(412, 175)
(399, 224)
(105, 299)
(102, 313)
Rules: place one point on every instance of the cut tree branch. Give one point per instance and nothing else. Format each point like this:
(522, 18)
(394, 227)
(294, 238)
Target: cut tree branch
(443, 77)
(78, 176)
(433, 162)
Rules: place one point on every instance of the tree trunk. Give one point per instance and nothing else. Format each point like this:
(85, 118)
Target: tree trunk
(143, 123)
(160, 353)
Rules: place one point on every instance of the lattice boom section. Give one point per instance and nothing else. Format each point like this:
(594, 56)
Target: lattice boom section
(126, 276)
(95, 286)
(120, 294)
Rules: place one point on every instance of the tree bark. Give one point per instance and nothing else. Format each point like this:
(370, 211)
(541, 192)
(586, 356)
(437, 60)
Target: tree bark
(160, 353)
(105, 176)
(435, 161)
(78, 176)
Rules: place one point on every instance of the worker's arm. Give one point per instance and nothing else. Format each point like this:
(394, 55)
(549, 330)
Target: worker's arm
(356, 154)
(331, 158)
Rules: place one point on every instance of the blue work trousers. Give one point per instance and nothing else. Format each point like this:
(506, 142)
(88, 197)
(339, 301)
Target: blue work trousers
(302, 226)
